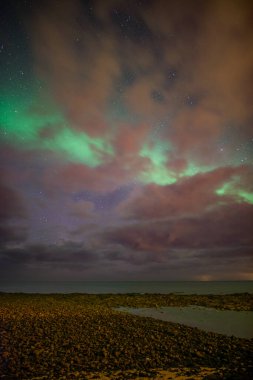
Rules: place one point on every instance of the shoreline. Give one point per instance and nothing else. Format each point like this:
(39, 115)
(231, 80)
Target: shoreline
(78, 336)
(235, 301)
(125, 287)
(227, 322)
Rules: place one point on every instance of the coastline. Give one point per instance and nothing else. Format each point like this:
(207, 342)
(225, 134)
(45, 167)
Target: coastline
(77, 336)
(126, 287)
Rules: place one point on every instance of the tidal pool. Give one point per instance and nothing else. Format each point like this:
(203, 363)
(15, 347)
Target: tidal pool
(227, 322)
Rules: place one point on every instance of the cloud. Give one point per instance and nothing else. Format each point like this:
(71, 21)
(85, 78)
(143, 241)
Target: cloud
(10, 204)
(83, 209)
(194, 133)
(12, 217)
(209, 44)
(130, 97)
(107, 177)
(11, 234)
(225, 65)
(191, 72)
(189, 196)
(225, 228)
(140, 237)
(79, 65)
(46, 261)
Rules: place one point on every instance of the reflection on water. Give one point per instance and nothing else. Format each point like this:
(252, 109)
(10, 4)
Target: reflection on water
(236, 323)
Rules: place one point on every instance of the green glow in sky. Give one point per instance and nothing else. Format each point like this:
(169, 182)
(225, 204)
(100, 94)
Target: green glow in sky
(79, 147)
(193, 169)
(157, 172)
(22, 124)
(231, 188)
(226, 188)
(158, 175)
(26, 122)
(156, 152)
(247, 197)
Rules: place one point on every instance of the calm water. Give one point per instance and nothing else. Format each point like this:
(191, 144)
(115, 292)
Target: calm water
(99, 287)
(228, 322)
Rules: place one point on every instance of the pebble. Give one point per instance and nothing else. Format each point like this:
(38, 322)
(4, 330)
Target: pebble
(70, 336)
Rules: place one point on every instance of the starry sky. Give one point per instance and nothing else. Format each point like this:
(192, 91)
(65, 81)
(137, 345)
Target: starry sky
(126, 146)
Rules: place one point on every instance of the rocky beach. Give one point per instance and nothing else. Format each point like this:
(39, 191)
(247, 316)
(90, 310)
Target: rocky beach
(81, 336)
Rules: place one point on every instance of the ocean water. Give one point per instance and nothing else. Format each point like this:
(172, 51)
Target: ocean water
(227, 322)
(122, 287)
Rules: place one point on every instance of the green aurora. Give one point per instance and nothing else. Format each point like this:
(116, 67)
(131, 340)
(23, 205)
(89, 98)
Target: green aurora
(27, 125)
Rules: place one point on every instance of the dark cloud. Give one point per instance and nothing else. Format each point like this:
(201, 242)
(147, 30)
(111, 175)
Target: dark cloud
(11, 234)
(12, 217)
(225, 228)
(10, 204)
(46, 261)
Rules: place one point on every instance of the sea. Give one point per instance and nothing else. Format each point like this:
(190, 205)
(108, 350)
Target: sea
(123, 287)
(227, 322)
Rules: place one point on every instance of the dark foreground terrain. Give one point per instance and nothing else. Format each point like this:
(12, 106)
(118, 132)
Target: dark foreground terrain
(81, 337)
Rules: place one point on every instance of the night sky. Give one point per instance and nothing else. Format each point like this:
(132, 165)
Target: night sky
(126, 140)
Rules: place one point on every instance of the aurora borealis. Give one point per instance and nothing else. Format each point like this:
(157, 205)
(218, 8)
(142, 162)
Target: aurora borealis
(126, 140)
